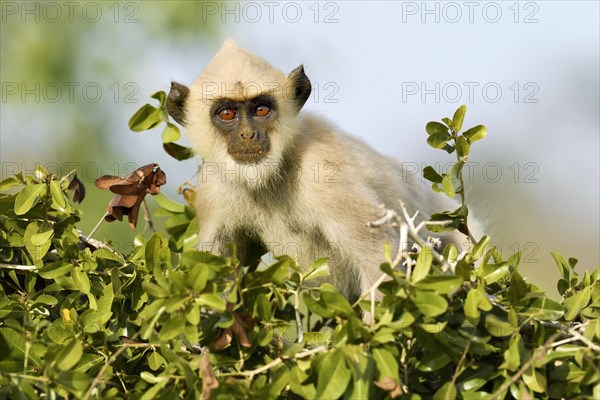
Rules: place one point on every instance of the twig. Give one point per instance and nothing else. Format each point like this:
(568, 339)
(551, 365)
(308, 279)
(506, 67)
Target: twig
(371, 289)
(538, 355)
(97, 226)
(68, 176)
(107, 364)
(278, 361)
(97, 244)
(18, 267)
(573, 333)
(461, 362)
(407, 229)
(147, 216)
(299, 328)
(585, 340)
(462, 184)
(414, 235)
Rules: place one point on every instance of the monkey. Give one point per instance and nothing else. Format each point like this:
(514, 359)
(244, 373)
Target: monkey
(276, 178)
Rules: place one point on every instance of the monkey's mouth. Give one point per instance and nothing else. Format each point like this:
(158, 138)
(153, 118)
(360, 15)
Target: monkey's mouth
(249, 156)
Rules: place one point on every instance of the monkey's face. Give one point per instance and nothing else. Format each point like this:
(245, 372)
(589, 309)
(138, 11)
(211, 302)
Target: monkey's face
(246, 126)
(241, 114)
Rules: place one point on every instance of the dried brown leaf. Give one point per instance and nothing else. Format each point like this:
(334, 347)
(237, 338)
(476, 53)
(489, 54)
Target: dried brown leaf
(209, 381)
(130, 191)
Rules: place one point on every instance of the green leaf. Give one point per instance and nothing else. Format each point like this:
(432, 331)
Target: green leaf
(541, 308)
(430, 304)
(46, 299)
(496, 327)
(177, 151)
(433, 361)
(512, 358)
(40, 172)
(88, 361)
(476, 133)
(459, 116)
(446, 392)
(298, 384)
(535, 380)
(494, 272)
(423, 265)
(212, 300)
(155, 290)
(26, 197)
(155, 361)
(448, 186)
(361, 372)
(329, 305)
(10, 182)
(472, 305)
(161, 96)
(171, 133)
(386, 363)
(55, 269)
(13, 346)
(334, 376)
(171, 328)
(145, 118)
(450, 252)
(37, 239)
(473, 379)
(563, 266)
(439, 139)
(441, 284)
(152, 392)
(81, 280)
(169, 204)
(576, 303)
(518, 289)
(452, 222)
(57, 194)
(319, 268)
(431, 174)
(462, 146)
(278, 272)
(434, 127)
(69, 355)
(478, 250)
(74, 381)
(263, 307)
(147, 329)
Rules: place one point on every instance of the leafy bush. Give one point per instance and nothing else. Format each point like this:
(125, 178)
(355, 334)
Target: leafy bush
(79, 319)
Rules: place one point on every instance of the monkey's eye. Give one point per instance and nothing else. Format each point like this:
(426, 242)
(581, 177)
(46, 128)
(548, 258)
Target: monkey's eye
(262, 110)
(226, 114)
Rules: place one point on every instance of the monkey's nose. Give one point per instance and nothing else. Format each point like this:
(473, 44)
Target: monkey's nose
(249, 135)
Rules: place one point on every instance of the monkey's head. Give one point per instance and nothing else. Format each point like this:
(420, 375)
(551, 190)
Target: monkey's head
(241, 111)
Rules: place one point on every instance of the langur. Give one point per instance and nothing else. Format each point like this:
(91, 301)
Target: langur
(274, 178)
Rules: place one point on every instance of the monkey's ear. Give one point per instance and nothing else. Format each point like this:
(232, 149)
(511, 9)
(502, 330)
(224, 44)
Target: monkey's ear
(176, 102)
(301, 86)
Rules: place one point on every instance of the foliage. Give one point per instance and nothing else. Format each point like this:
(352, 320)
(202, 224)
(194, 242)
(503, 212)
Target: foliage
(80, 319)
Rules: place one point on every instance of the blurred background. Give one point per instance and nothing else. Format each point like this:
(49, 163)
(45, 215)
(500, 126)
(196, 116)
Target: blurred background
(72, 73)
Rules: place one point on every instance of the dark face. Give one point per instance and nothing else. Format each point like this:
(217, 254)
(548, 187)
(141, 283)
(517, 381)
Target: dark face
(246, 126)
